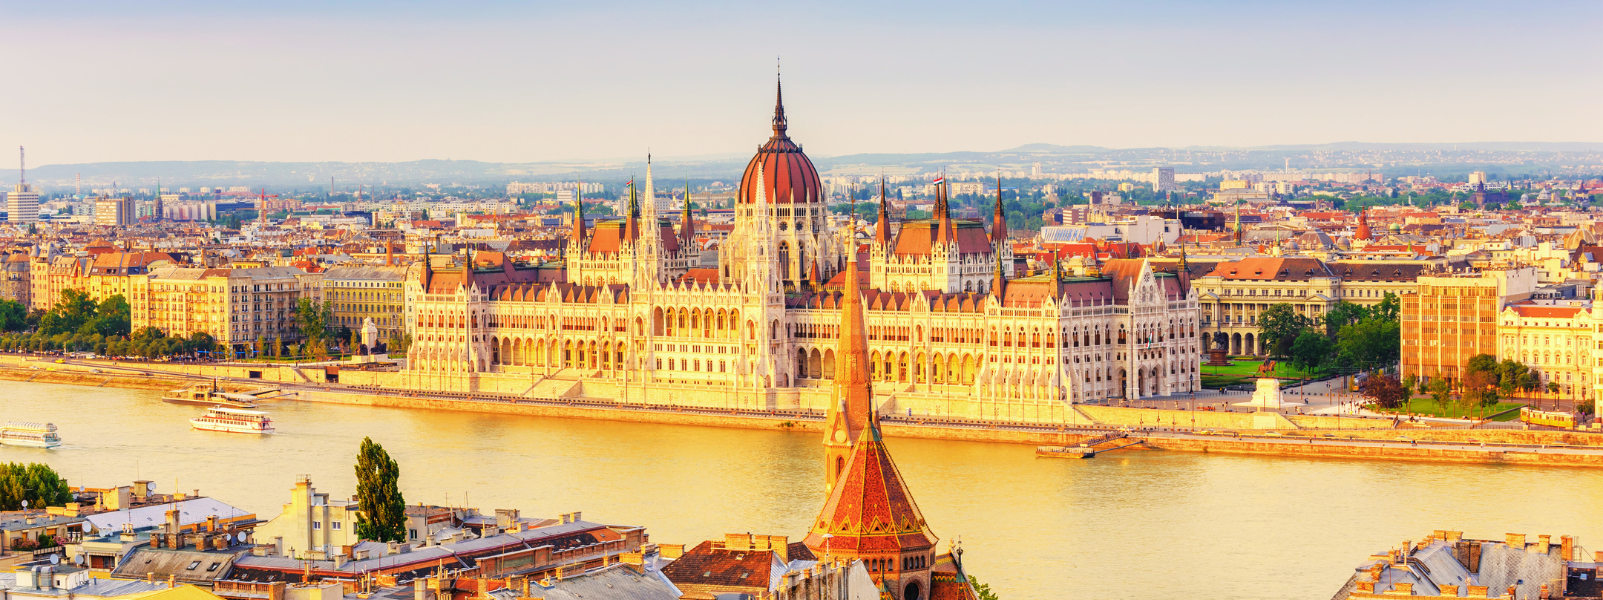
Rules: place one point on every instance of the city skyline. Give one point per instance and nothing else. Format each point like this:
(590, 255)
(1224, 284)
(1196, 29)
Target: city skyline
(492, 82)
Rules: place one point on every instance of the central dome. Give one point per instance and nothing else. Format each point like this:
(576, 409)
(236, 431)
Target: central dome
(791, 177)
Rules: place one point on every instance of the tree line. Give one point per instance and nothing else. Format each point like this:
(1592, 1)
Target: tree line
(1350, 337)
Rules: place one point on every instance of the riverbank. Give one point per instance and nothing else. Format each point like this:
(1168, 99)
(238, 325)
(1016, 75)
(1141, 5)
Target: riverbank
(1330, 435)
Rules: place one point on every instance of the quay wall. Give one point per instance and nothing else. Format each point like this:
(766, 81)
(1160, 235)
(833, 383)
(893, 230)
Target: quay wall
(596, 400)
(1301, 448)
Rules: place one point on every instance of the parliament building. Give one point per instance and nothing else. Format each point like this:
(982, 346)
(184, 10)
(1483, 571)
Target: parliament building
(952, 329)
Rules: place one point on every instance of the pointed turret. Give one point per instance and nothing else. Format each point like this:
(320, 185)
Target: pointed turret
(631, 227)
(1363, 226)
(998, 278)
(999, 220)
(578, 216)
(687, 225)
(947, 232)
(1185, 272)
(882, 229)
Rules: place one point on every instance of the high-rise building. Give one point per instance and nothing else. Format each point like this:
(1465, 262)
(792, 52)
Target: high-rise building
(1454, 317)
(115, 212)
(22, 204)
(1163, 179)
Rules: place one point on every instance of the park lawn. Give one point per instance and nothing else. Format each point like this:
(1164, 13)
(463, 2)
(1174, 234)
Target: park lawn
(1246, 371)
(1428, 407)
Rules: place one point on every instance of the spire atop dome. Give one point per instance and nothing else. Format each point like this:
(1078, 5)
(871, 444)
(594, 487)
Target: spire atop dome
(999, 220)
(779, 107)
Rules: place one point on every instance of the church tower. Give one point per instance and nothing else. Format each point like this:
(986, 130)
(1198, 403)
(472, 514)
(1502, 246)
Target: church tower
(870, 514)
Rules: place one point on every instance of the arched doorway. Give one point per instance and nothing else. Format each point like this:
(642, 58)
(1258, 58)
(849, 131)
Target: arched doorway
(912, 591)
(1123, 385)
(1251, 347)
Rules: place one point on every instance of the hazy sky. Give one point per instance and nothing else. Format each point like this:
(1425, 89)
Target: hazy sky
(532, 81)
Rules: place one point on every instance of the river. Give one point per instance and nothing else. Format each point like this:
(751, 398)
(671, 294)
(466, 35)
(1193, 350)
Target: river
(1136, 525)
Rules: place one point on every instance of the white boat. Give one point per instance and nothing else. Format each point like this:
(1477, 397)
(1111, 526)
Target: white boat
(31, 435)
(233, 420)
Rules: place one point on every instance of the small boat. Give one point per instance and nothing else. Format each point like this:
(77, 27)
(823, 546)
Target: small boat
(29, 435)
(233, 420)
(208, 395)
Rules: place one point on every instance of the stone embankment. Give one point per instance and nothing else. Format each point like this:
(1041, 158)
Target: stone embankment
(1298, 435)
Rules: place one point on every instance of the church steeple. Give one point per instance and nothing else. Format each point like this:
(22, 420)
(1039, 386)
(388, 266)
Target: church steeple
(851, 410)
(631, 228)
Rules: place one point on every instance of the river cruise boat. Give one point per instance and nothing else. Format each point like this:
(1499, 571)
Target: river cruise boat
(29, 435)
(233, 420)
(207, 394)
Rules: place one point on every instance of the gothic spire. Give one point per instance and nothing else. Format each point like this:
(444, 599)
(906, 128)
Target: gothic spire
(882, 229)
(999, 220)
(687, 225)
(779, 108)
(578, 214)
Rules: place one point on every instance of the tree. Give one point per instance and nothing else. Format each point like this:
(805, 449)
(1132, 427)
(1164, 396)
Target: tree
(113, 317)
(1310, 350)
(378, 495)
(70, 313)
(13, 316)
(37, 483)
(1370, 344)
(981, 590)
(1480, 387)
(1440, 392)
(1509, 374)
(1279, 326)
(1344, 313)
(1481, 363)
(315, 321)
(1385, 390)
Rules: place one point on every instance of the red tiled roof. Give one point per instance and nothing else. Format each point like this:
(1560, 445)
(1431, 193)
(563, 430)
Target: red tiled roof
(870, 509)
(731, 570)
(1265, 268)
(1549, 312)
(918, 238)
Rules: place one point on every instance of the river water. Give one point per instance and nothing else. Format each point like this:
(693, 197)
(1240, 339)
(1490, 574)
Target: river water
(1139, 525)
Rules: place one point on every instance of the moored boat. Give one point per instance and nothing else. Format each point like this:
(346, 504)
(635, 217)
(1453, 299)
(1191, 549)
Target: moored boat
(233, 420)
(205, 394)
(29, 435)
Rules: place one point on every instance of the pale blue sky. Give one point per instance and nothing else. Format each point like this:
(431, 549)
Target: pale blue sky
(357, 81)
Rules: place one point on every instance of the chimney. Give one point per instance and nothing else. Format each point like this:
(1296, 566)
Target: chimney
(172, 521)
(1515, 540)
(419, 592)
(172, 581)
(211, 524)
(1567, 548)
(1543, 542)
(484, 587)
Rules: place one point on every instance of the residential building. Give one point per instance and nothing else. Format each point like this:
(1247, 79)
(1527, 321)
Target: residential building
(1554, 338)
(1163, 179)
(360, 292)
(236, 307)
(116, 212)
(1454, 316)
(16, 278)
(312, 526)
(1446, 565)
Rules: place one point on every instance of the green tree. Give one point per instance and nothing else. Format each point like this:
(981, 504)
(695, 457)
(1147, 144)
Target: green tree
(1344, 313)
(37, 483)
(1481, 363)
(112, 317)
(1311, 349)
(1370, 344)
(70, 313)
(1388, 309)
(1279, 326)
(314, 320)
(981, 590)
(378, 495)
(13, 316)
(1440, 392)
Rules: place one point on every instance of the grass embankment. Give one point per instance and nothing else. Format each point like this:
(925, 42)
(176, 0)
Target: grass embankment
(1246, 371)
(1427, 407)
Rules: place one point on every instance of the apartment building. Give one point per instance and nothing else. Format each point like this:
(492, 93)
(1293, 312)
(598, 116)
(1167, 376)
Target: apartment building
(234, 306)
(16, 283)
(1235, 293)
(1454, 316)
(360, 292)
(115, 212)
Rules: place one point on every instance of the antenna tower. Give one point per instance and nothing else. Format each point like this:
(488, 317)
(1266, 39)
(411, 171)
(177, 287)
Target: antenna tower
(22, 166)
